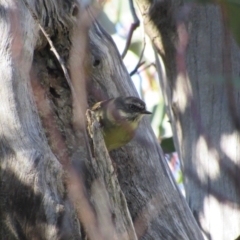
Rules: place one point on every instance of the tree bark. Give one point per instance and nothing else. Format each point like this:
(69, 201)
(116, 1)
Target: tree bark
(211, 145)
(49, 174)
(202, 102)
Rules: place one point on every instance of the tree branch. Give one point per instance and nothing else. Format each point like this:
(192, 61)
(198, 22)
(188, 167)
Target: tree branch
(133, 27)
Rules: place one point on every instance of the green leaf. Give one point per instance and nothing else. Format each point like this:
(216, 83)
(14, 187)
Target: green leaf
(180, 178)
(168, 145)
(232, 9)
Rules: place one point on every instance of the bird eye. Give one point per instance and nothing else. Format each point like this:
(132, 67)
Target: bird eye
(134, 108)
(96, 62)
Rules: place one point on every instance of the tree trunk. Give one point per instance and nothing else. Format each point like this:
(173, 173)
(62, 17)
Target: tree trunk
(210, 148)
(54, 184)
(202, 107)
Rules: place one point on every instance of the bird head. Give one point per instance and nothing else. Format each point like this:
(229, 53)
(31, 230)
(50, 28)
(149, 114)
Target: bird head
(130, 108)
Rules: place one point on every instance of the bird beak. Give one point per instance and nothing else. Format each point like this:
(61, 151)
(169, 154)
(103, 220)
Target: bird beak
(146, 112)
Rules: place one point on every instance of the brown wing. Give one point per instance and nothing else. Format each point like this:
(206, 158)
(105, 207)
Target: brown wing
(99, 105)
(96, 106)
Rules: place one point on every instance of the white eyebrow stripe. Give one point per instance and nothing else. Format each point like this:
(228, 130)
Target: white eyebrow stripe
(123, 114)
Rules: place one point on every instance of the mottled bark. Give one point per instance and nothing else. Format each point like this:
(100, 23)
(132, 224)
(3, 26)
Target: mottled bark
(211, 146)
(202, 106)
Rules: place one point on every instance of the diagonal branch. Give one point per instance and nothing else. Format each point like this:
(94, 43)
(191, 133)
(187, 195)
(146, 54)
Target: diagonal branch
(140, 62)
(134, 26)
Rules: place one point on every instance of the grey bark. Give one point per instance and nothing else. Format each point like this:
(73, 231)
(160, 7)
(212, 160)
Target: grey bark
(49, 174)
(211, 150)
(203, 109)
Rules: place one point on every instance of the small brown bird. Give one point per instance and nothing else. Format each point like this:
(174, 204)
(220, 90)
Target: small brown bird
(119, 118)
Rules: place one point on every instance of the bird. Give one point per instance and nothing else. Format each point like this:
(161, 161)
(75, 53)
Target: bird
(119, 119)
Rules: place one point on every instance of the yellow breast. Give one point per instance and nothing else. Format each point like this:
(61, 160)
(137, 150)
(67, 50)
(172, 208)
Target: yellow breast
(118, 136)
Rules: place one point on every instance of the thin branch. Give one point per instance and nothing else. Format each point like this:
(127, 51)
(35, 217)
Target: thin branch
(134, 26)
(140, 63)
(135, 70)
(52, 48)
(147, 66)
